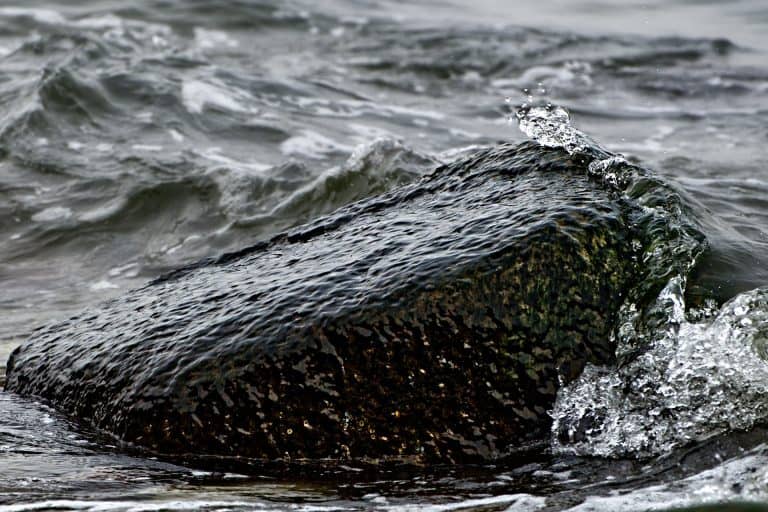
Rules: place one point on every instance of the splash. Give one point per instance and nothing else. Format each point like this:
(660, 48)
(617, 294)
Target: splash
(550, 126)
(704, 379)
(681, 377)
(667, 239)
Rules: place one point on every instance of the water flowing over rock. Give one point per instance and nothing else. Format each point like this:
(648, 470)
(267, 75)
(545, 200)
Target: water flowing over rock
(434, 322)
(684, 374)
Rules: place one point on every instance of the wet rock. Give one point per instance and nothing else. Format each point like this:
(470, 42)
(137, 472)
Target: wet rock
(431, 323)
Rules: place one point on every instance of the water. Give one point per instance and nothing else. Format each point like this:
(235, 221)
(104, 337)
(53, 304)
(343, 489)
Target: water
(136, 138)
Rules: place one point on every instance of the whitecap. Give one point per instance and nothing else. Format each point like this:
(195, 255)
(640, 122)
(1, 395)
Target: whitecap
(214, 155)
(103, 212)
(311, 144)
(133, 506)
(207, 39)
(681, 380)
(47, 16)
(97, 22)
(375, 164)
(197, 95)
(453, 154)
(145, 116)
(103, 285)
(128, 270)
(569, 74)
(457, 132)
(358, 108)
(740, 479)
(175, 135)
(514, 502)
(52, 214)
(147, 148)
(411, 111)
(365, 133)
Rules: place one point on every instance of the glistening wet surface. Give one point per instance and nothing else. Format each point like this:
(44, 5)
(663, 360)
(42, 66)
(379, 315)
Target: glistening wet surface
(137, 138)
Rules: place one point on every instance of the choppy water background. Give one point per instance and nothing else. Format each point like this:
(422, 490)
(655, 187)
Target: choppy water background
(138, 137)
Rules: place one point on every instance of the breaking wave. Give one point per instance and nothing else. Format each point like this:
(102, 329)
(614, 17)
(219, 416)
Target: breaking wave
(683, 374)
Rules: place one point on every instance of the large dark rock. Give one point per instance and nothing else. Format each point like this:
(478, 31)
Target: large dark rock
(434, 322)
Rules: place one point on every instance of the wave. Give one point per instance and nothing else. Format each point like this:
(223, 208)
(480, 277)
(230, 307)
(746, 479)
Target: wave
(371, 169)
(210, 209)
(140, 130)
(683, 375)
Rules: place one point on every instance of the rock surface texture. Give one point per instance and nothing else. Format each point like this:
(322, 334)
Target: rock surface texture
(433, 323)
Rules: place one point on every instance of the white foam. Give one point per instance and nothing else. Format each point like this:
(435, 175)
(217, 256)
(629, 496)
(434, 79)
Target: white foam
(453, 154)
(112, 23)
(97, 22)
(569, 74)
(159, 41)
(47, 16)
(197, 95)
(659, 142)
(691, 381)
(129, 506)
(515, 502)
(312, 145)
(741, 479)
(103, 212)
(128, 270)
(696, 381)
(457, 132)
(147, 148)
(365, 133)
(103, 285)
(411, 111)
(371, 159)
(51, 214)
(214, 155)
(358, 108)
(207, 39)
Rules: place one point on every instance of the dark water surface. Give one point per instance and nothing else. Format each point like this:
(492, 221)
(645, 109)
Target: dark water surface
(136, 137)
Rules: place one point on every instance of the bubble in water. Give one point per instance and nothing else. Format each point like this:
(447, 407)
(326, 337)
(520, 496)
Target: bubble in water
(696, 381)
(680, 381)
(609, 170)
(551, 126)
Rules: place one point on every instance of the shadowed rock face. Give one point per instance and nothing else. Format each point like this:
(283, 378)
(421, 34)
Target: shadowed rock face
(434, 323)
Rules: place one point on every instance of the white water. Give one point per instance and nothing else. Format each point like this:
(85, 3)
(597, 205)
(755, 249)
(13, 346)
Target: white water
(695, 379)
(699, 380)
